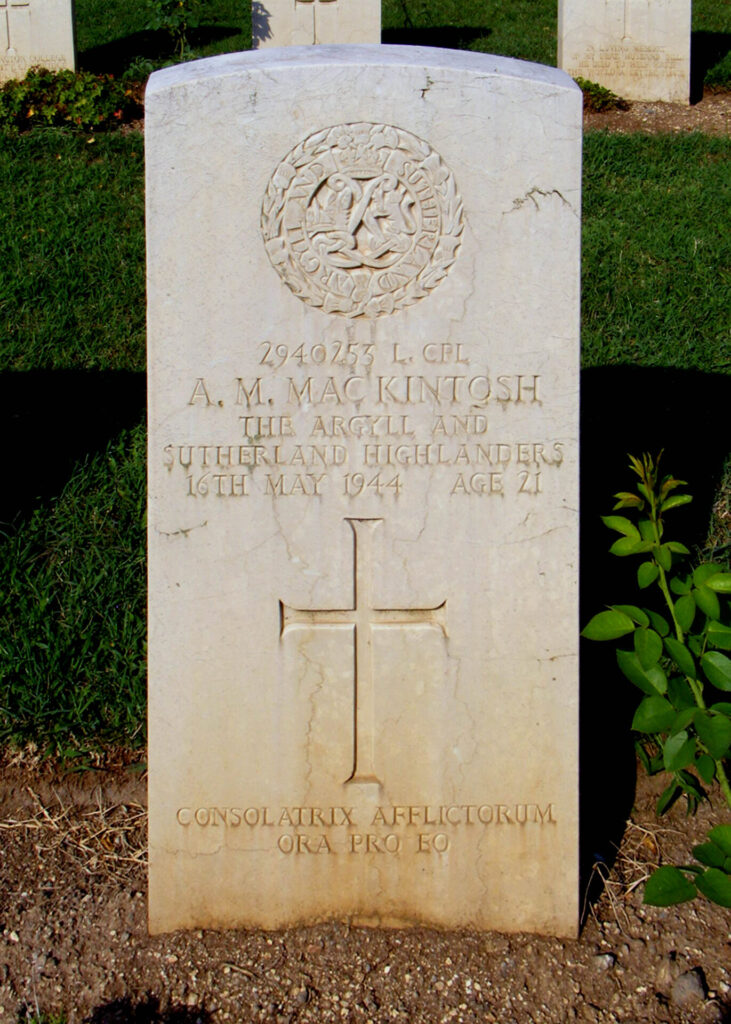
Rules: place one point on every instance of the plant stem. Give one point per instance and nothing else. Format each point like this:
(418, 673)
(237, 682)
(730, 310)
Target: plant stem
(723, 782)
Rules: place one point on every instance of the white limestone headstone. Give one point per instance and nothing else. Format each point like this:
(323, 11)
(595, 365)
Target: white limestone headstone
(363, 285)
(640, 49)
(35, 32)
(304, 22)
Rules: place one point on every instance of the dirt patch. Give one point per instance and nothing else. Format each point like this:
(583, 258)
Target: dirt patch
(73, 936)
(711, 115)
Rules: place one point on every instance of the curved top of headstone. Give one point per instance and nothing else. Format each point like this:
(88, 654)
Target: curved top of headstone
(347, 55)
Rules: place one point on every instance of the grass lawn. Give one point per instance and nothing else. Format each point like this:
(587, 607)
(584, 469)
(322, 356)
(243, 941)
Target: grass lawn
(112, 33)
(656, 283)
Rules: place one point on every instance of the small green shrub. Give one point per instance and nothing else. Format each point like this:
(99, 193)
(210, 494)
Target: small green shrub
(678, 663)
(176, 17)
(65, 98)
(599, 99)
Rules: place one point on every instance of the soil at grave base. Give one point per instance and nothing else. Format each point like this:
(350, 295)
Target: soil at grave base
(73, 936)
(712, 115)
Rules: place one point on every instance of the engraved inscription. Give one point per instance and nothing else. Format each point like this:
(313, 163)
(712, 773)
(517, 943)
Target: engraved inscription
(631, 61)
(344, 418)
(391, 829)
(362, 219)
(362, 618)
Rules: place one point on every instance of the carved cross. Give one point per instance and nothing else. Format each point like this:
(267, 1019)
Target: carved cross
(8, 6)
(362, 618)
(313, 7)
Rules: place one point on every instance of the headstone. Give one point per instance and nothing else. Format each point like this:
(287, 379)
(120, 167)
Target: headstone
(304, 22)
(640, 49)
(35, 32)
(363, 418)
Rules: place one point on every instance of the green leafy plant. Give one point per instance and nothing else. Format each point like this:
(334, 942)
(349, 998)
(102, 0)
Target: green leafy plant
(599, 99)
(678, 662)
(176, 17)
(712, 876)
(65, 98)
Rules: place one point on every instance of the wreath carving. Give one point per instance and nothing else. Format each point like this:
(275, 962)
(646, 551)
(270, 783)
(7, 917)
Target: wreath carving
(362, 220)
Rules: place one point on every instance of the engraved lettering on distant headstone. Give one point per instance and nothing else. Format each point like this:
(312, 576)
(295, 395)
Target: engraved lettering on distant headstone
(362, 618)
(362, 219)
(16, 21)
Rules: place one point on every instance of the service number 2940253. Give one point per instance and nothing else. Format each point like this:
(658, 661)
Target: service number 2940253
(336, 353)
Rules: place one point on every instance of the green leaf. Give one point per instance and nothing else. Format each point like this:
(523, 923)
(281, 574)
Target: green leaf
(667, 798)
(685, 611)
(647, 574)
(678, 751)
(716, 885)
(717, 668)
(658, 679)
(680, 585)
(691, 787)
(677, 499)
(680, 693)
(723, 707)
(721, 836)
(647, 530)
(664, 556)
(636, 614)
(669, 484)
(681, 656)
(622, 525)
(707, 601)
(683, 719)
(714, 731)
(628, 500)
(630, 666)
(667, 886)
(608, 626)
(627, 546)
(702, 572)
(721, 582)
(709, 854)
(719, 635)
(648, 647)
(706, 767)
(654, 714)
(677, 548)
(659, 624)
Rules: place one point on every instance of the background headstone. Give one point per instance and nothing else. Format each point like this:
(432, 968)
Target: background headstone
(35, 32)
(640, 49)
(304, 22)
(363, 295)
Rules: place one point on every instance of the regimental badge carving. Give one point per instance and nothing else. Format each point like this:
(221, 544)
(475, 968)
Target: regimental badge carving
(362, 219)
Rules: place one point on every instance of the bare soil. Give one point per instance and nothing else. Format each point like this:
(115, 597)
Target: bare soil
(711, 115)
(73, 936)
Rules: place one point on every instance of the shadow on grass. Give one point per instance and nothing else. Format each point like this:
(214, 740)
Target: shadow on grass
(629, 409)
(54, 419)
(115, 57)
(124, 1011)
(450, 37)
(706, 50)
